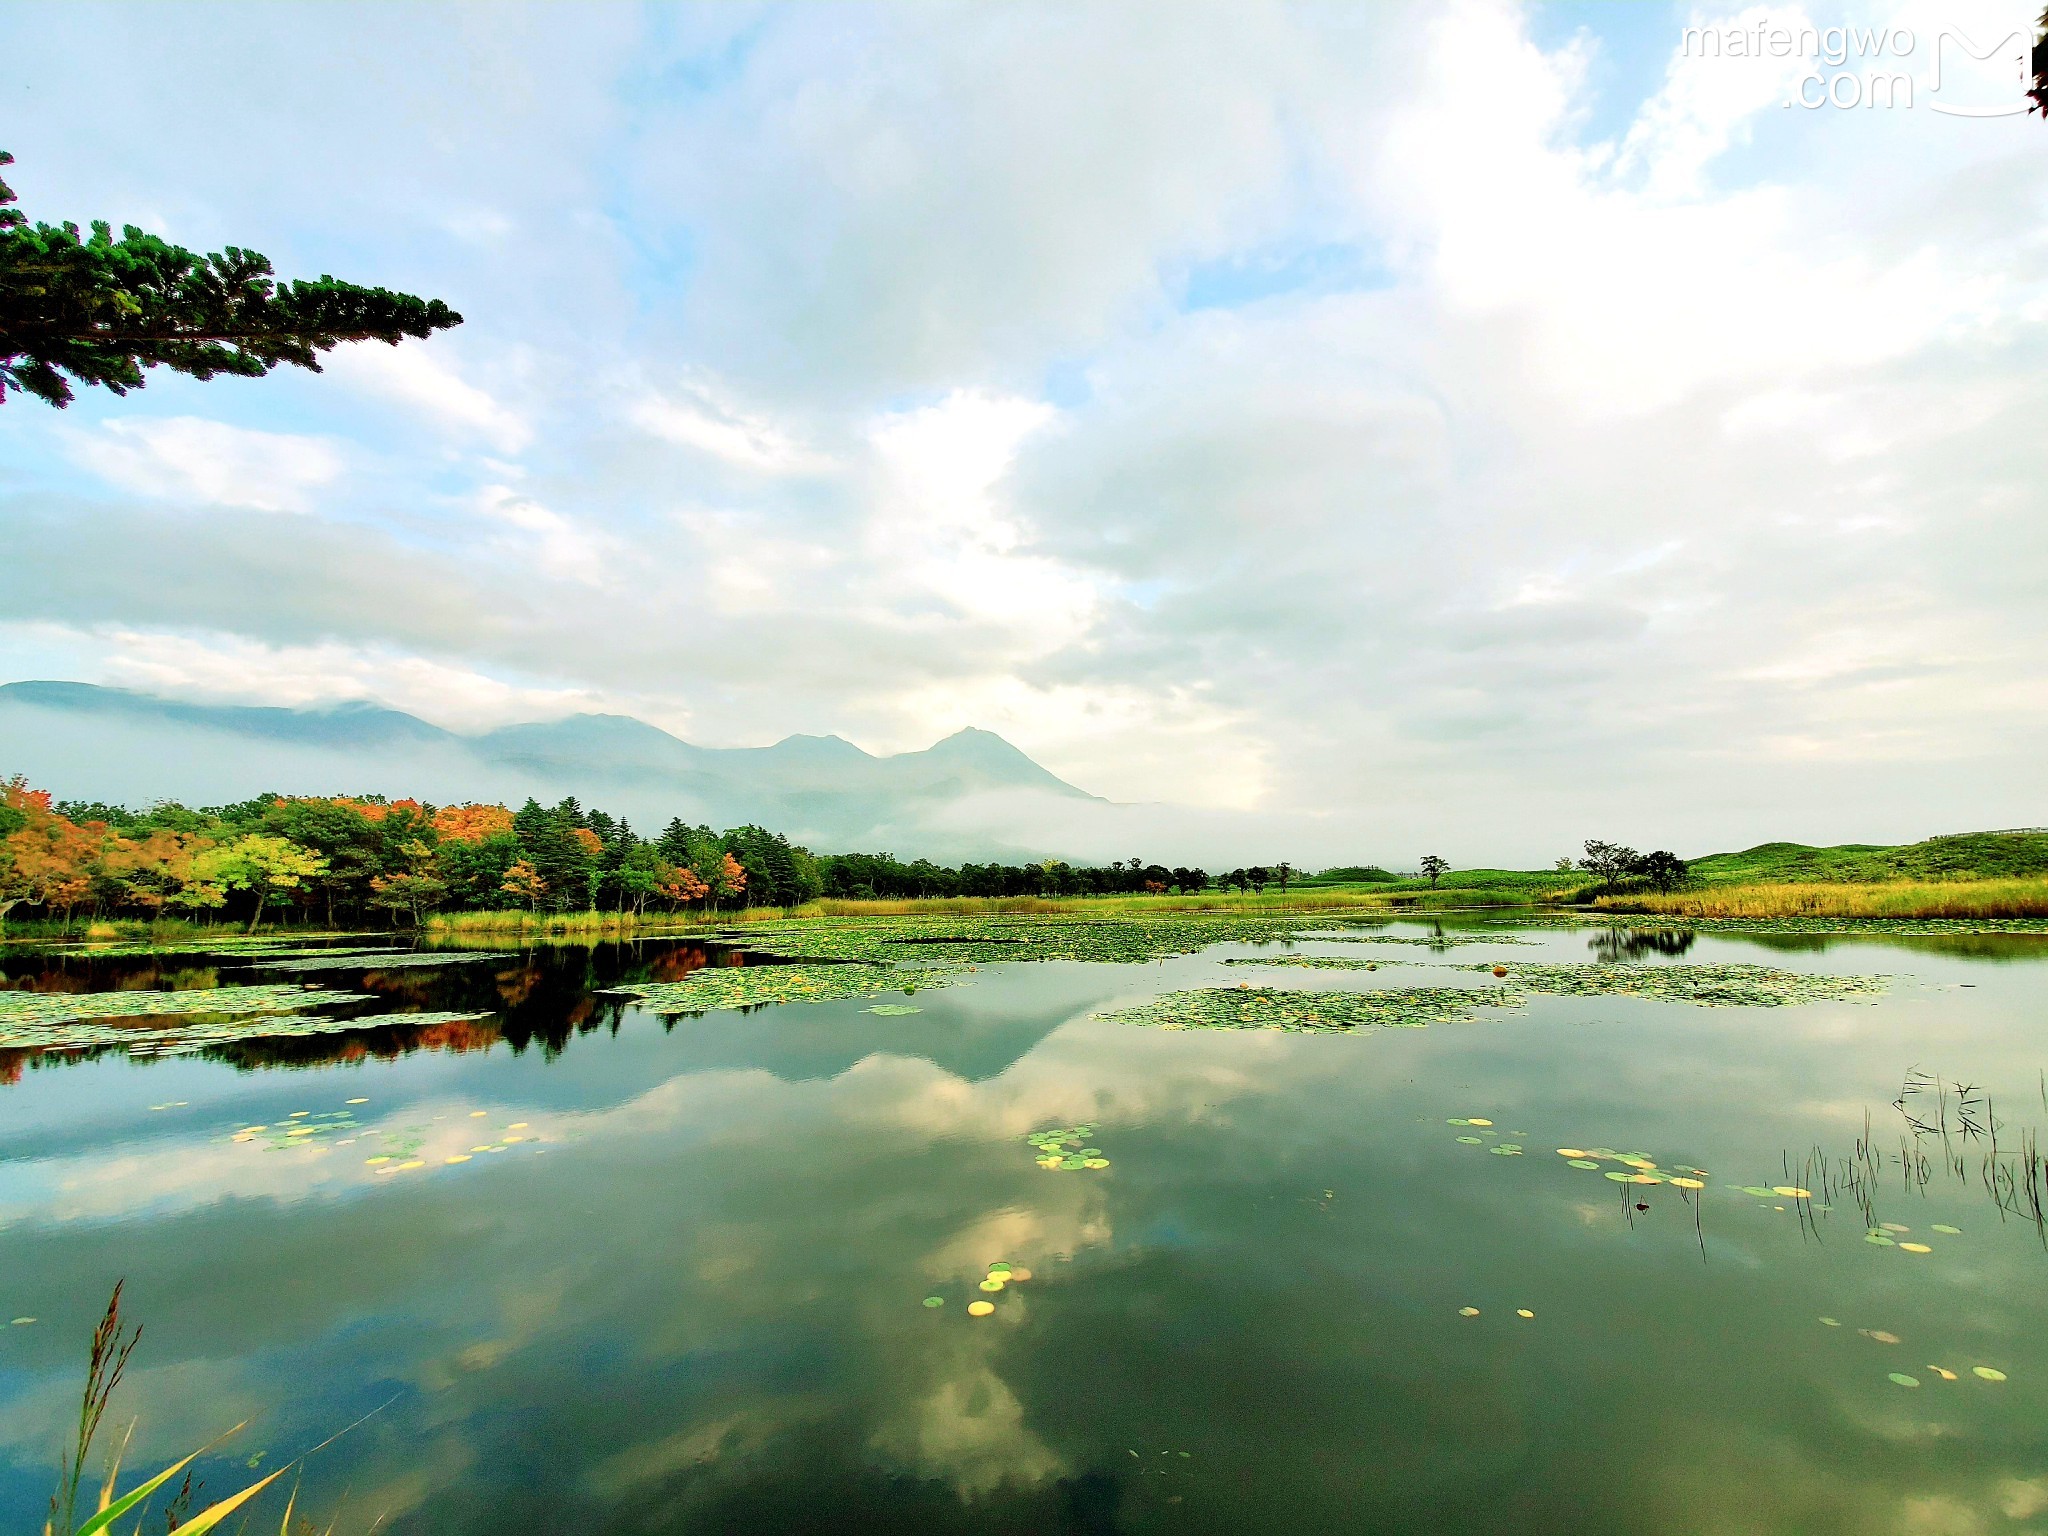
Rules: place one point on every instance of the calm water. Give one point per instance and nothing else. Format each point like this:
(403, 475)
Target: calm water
(690, 1298)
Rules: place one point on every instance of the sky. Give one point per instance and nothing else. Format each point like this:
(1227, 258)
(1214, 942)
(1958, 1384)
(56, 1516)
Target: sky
(1471, 427)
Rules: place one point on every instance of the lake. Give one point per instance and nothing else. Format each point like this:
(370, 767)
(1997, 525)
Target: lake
(589, 1269)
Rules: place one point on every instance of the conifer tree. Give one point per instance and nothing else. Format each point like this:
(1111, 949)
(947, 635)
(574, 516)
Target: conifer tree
(100, 310)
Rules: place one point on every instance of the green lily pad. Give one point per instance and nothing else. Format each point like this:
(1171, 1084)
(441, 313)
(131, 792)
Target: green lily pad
(1902, 1379)
(1946, 1231)
(1879, 1240)
(892, 1010)
(1472, 1141)
(1988, 1373)
(934, 1301)
(1583, 1162)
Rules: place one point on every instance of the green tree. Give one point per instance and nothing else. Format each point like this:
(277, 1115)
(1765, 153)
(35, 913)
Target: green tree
(1608, 861)
(1434, 868)
(412, 894)
(259, 862)
(101, 310)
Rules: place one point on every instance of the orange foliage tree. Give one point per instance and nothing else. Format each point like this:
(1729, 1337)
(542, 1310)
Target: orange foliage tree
(471, 823)
(728, 881)
(46, 859)
(524, 882)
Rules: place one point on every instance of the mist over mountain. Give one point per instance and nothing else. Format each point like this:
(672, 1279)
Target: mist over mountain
(972, 795)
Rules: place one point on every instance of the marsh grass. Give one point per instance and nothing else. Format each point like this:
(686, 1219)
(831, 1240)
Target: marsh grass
(2025, 897)
(112, 1343)
(1218, 902)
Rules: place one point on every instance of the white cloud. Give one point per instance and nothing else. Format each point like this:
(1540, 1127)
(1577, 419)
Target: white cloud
(1666, 449)
(190, 458)
(706, 421)
(415, 375)
(559, 546)
(229, 668)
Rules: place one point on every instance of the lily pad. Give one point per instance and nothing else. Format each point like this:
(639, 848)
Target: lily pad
(980, 1308)
(1946, 1231)
(1309, 1012)
(934, 1301)
(1583, 1162)
(1987, 1373)
(892, 1010)
(1903, 1379)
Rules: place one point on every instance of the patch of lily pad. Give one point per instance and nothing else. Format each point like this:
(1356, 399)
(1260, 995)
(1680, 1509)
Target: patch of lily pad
(995, 939)
(1704, 986)
(748, 986)
(1432, 941)
(1310, 1012)
(1066, 1149)
(45, 1020)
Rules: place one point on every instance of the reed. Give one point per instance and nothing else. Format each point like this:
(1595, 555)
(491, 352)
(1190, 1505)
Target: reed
(2027, 897)
(112, 1343)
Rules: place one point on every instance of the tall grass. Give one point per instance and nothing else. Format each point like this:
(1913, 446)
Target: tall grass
(542, 925)
(107, 1363)
(159, 930)
(1902, 898)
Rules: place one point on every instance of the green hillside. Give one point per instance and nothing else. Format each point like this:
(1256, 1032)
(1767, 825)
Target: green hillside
(1966, 856)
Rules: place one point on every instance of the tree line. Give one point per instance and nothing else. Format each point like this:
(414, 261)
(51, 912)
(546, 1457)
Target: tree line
(347, 859)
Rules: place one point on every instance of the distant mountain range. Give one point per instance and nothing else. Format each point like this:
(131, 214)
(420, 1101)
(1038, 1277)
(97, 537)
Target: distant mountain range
(950, 800)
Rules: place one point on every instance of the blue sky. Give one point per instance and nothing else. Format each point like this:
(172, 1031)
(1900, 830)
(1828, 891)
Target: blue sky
(1469, 424)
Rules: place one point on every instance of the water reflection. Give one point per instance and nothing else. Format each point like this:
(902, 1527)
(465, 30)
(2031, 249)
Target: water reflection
(1611, 946)
(693, 1299)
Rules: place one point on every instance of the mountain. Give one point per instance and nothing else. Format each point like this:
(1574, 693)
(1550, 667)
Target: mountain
(960, 798)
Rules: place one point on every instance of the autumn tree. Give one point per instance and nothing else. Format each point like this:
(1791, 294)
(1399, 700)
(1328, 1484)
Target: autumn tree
(99, 310)
(728, 882)
(46, 859)
(523, 882)
(680, 885)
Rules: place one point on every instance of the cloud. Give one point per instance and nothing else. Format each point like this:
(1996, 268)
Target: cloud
(704, 420)
(420, 377)
(190, 458)
(1672, 475)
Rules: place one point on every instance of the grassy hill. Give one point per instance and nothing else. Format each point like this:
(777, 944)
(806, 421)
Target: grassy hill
(1966, 856)
(1793, 876)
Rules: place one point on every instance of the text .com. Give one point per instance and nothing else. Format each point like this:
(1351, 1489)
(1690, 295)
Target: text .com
(1951, 72)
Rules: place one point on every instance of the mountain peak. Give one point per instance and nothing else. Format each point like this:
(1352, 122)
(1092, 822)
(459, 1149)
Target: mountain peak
(127, 746)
